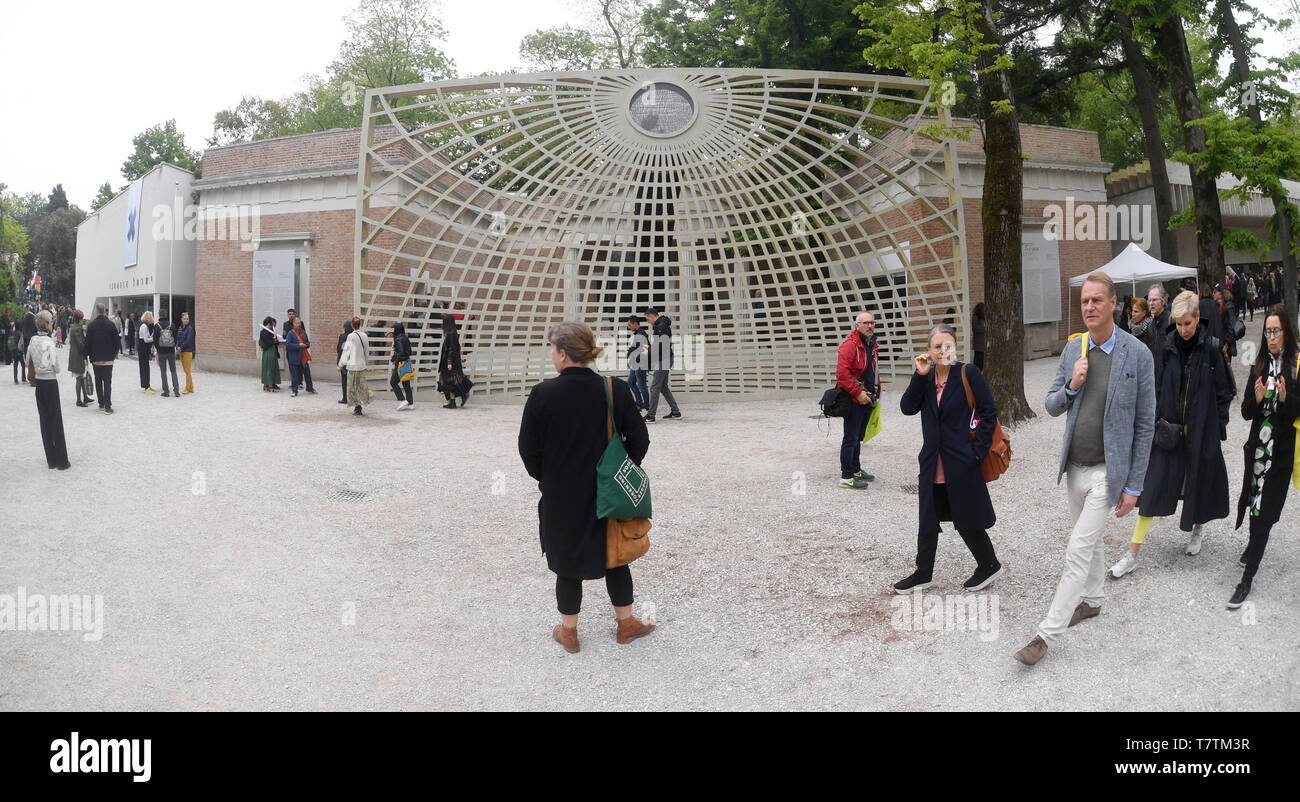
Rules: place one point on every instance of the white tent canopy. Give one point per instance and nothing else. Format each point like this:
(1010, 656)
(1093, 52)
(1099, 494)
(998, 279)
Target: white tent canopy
(1133, 266)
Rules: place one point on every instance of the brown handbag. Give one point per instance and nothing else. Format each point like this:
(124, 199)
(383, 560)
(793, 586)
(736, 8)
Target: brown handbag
(998, 459)
(626, 539)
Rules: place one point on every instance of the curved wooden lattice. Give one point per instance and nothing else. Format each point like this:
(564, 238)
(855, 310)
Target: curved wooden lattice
(760, 210)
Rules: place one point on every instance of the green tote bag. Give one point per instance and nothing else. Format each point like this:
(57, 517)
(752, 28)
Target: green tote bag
(622, 488)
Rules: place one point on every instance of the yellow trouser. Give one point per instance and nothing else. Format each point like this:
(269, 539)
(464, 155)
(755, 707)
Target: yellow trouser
(186, 358)
(1141, 529)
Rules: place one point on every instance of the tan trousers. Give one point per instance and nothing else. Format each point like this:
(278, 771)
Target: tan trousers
(186, 358)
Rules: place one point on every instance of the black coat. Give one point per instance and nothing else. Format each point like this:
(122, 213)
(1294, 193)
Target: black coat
(1278, 479)
(1194, 470)
(401, 349)
(101, 340)
(945, 429)
(561, 438)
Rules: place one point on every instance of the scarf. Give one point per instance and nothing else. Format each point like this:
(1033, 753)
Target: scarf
(1140, 329)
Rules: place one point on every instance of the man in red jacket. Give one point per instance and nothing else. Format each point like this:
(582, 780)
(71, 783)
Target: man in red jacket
(857, 373)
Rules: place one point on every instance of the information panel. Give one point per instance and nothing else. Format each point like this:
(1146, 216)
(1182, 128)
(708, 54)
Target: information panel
(272, 286)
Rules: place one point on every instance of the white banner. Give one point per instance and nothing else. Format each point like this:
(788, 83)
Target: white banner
(133, 225)
(272, 286)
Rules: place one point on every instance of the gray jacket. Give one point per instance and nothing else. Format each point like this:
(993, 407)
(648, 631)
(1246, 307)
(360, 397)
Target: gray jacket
(1130, 420)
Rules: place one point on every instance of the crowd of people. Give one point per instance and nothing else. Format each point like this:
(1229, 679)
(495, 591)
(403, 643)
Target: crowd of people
(1147, 397)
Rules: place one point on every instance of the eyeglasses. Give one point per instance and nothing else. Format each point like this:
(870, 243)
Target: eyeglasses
(1272, 332)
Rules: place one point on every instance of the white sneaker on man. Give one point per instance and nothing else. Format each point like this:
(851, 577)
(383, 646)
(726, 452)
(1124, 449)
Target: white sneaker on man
(409, 406)
(1194, 544)
(401, 405)
(1126, 565)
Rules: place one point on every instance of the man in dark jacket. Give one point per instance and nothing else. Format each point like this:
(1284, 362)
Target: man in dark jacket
(1158, 301)
(28, 329)
(638, 360)
(857, 373)
(347, 329)
(101, 349)
(661, 362)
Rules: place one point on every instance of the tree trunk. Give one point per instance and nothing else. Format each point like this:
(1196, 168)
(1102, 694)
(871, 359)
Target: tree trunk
(1205, 193)
(1001, 214)
(1145, 98)
(1285, 224)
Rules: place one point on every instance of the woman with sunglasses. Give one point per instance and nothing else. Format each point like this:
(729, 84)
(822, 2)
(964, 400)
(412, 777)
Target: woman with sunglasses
(1271, 404)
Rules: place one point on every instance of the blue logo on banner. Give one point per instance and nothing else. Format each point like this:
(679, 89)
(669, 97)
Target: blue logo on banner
(130, 226)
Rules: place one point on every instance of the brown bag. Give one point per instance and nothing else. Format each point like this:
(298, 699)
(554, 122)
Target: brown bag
(626, 539)
(998, 459)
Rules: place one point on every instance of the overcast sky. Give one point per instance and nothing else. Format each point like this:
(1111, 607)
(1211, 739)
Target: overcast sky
(83, 78)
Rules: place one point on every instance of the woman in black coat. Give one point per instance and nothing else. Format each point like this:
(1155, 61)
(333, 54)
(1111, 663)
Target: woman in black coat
(561, 438)
(1271, 403)
(452, 382)
(950, 484)
(1193, 390)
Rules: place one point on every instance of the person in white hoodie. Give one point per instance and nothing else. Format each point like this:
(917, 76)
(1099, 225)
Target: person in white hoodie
(355, 350)
(45, 366)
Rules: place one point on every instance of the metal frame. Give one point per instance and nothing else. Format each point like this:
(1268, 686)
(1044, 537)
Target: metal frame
(520, 201)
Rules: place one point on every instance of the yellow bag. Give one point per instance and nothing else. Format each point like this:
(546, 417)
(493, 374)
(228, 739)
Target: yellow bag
(873, 423)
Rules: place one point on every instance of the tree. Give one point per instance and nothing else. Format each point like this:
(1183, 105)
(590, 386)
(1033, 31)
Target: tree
(58, 199)
(1259, 153)
(13, 242)
(561, 49)
(104, 195)
(773, 34)
(53, 251)
(156, 145)
(1164, 20)
(390, 42)
(964, 40)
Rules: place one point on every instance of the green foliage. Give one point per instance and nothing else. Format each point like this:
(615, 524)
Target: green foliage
(104, 195)
(156, 145)
(563, 48)
(390, 42)
(774, 34)
(53, 251)
(15, 233)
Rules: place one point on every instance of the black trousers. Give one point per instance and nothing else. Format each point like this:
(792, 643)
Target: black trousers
(143, 354)
(1255, 548)
(977, 540)
(104, 385)
(47, 406)
(618, 581)
(398, 386)
(344, 372)
(18, 363)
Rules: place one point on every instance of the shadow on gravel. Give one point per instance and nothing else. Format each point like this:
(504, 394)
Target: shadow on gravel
(336, 417)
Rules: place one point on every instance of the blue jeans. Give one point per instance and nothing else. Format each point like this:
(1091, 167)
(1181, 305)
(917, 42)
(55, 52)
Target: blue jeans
(855, 426)
(636, 380)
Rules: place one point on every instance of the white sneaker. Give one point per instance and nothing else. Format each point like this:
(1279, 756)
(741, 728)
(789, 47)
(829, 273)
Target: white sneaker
(1194, 545)
(408, 407)
(1127, 565)
(401, 405)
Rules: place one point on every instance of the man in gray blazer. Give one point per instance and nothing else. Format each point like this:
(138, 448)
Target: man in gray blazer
(1109, 396)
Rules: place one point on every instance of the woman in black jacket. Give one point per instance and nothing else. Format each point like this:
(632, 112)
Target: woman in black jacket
(338, 354)
(950, 484)
(561, 438)
(401, 353)
(452, 382)
(1193, 397)
(1271, 403)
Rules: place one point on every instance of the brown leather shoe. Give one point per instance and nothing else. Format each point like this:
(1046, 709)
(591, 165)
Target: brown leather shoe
(568, 638)
(1033, 652)
(629, 629)
(1083, 612)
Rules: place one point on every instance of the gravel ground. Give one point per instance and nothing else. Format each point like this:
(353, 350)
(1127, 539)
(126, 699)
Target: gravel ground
(257, 551)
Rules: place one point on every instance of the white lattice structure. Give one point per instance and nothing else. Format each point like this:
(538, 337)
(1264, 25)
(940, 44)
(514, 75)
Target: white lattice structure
(761, 210)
